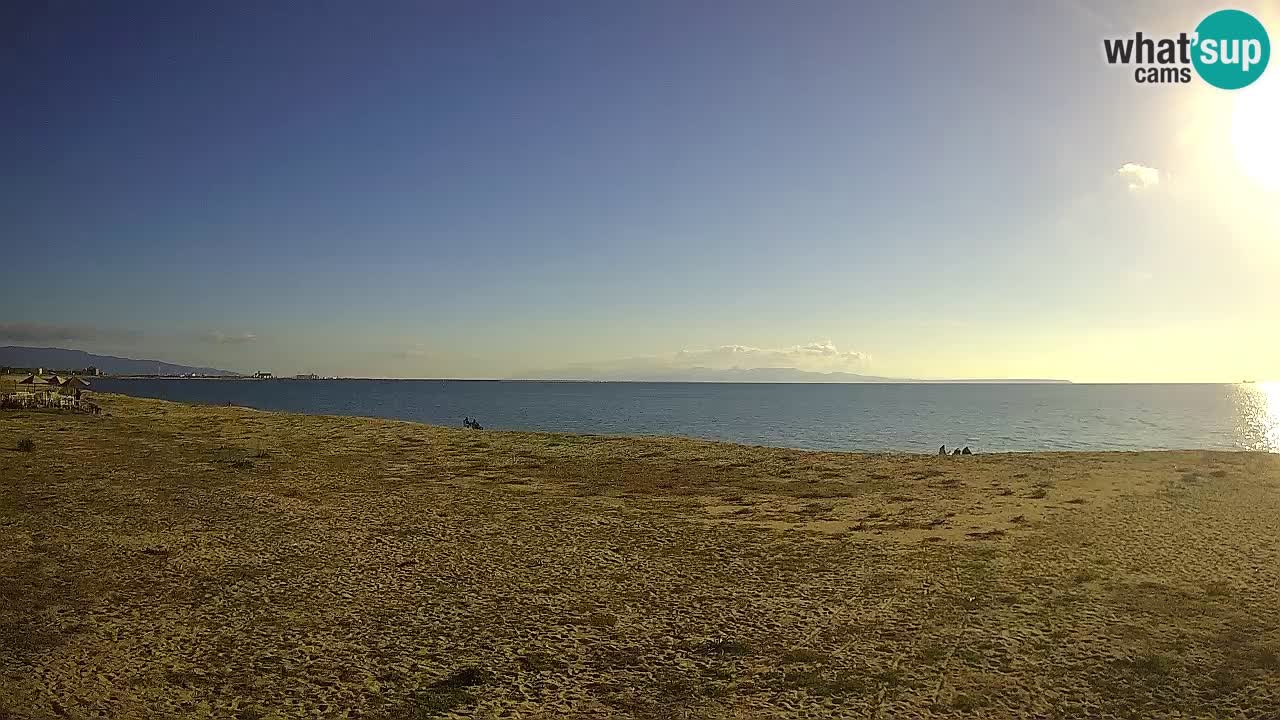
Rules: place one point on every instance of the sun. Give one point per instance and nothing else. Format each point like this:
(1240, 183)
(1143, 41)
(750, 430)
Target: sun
(1255, 131)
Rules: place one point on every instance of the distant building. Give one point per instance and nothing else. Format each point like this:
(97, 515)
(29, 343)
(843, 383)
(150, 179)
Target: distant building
(308, 376)
(261, 375)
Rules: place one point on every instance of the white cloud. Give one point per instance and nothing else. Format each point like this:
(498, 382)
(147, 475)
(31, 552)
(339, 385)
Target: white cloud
(1139, 177)
(820, 356)
(221, 339)
(817, 356)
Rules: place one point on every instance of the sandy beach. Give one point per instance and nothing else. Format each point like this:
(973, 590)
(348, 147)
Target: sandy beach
(164, 560)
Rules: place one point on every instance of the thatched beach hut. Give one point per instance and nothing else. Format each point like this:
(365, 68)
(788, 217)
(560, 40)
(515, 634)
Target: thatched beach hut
(75, 383)
(74, 386)
(32, 386)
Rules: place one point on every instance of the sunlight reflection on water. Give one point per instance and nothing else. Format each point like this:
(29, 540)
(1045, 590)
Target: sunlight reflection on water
(1260, 416)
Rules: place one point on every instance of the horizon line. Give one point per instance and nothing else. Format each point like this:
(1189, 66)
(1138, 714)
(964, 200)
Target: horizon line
(891, 382)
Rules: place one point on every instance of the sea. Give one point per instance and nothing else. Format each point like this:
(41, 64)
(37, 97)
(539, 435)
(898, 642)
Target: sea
(888, 417)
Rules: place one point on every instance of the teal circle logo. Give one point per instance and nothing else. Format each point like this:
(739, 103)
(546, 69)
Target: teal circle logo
(1231, 49)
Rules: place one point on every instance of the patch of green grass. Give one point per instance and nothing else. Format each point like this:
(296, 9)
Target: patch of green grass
(26, 444)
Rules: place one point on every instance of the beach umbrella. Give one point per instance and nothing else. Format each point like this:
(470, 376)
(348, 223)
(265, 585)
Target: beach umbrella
(34, 380)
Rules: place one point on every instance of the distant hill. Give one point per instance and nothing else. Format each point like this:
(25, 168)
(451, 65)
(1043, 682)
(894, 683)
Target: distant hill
(63, 359)
(747, 375)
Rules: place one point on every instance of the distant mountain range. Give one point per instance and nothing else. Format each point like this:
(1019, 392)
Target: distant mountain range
(62, 359)
(760, 375)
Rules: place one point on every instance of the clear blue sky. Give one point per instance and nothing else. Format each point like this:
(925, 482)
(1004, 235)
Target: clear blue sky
(483, 189)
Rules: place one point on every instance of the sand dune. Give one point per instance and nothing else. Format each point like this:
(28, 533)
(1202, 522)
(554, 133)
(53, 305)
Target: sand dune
(175, 561)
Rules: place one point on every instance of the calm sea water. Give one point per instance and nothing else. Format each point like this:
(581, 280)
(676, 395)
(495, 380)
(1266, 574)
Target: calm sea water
(892, 417)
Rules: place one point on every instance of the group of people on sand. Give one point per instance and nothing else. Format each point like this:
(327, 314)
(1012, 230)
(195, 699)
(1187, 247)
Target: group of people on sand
(473, 424)
(942, 450)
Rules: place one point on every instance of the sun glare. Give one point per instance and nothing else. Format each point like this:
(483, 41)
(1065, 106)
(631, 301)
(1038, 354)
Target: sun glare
(1261, 416)
(1255, 132)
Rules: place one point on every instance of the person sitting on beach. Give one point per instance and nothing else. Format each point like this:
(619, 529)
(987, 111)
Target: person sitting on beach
(466, 421)
(942, 449)
(966, 451)
(475, 425)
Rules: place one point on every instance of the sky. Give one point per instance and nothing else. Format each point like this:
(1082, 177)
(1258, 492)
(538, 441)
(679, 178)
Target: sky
(498, 189)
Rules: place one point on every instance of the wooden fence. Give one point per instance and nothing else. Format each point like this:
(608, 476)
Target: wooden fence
(41, 400)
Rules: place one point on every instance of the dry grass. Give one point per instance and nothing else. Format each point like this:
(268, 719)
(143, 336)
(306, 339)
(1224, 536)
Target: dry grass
(175, 561)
